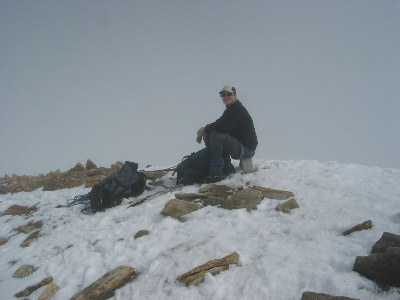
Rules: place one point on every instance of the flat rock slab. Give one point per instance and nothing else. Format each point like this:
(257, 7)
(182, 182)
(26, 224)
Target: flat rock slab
(49, 292)
(247, 198)
(274, 194)
(30, 289)
(28, 228)
(17, 210)
(24, 271)
(383, 268)
(105, 287)
(387, 240)
(154, 175)
(197, 275)
(217, 190)
(30, 239)
(363, 226)
(318, 296)
(287, 206)
(177, 208)
(3, 240)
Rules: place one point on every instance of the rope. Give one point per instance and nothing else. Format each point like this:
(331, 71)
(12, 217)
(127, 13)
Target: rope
(81, 199)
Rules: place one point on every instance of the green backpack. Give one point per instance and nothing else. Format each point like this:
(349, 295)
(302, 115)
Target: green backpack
(194, 167)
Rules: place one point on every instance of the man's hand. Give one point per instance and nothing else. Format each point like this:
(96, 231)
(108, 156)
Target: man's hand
(201, 135)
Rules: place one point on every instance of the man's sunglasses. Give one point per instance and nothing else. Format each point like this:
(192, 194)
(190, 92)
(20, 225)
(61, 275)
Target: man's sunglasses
(226, 94)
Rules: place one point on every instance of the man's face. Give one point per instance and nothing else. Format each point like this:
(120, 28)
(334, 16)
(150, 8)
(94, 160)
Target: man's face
(228, 98)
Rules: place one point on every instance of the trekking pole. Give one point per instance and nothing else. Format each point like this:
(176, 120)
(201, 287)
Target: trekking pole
(155, 195)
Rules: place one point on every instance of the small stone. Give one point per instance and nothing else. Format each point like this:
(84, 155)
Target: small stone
(141, 233)
(217, 190)
(90, 165)
(318, 296)
(363, 226)
(274, 194)
(105, 287)
(30, 289)
(177, 208)
(24, 271)
(49, 292)
(197, 275)
(3, 241)
(30, 239)
(190, 196)
(287, 206)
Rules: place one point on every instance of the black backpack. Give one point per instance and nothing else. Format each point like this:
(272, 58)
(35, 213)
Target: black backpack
(125, 183)
(194, 167)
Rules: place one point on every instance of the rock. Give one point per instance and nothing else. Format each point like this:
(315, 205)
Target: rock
(287, 206)
(191, 196)
(24, 271)
(78, 167)
(317, 296)
(247, 198)
(213, 201)
(90, 165)
(363, 226)
(17, 210)
(3, 241)
(217, 190)
(156, 182)
(197, 275)
(383, 267)
(30, 289)
(387, 240)
(49, 292)
(105, 287)
(274, 194)
(141, 233)
(30, 239)
(177, 208)
(154, 175)
(28, 228)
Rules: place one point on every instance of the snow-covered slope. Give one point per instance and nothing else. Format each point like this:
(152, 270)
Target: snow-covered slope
(281, 255)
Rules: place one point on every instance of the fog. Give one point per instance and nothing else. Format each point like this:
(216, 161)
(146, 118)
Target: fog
(134, 80)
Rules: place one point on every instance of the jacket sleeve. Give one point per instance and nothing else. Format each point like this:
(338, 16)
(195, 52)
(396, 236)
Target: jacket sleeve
(225, 124)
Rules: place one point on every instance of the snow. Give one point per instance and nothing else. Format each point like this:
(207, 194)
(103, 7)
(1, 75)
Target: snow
(281, 255)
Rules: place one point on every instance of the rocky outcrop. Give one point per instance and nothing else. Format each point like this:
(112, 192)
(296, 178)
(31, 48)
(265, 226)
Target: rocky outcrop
(105, 287)
(287, 206)
(24, 271)
(383, 265)
(177, 208)
(363, 226)
(77, 176)
(318, 296)
(30, 289)
(197, 275)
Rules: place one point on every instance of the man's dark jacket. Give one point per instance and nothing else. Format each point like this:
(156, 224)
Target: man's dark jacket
(237, 122)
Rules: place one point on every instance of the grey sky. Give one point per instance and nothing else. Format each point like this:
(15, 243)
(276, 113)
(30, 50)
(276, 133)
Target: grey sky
(134, 80)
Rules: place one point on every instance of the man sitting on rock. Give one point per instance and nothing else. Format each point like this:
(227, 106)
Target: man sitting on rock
(232, 134)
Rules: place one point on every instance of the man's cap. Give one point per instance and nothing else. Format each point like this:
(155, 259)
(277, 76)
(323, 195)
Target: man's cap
(228, 88)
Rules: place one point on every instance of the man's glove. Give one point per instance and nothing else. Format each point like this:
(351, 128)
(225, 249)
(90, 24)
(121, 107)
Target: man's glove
(201, 134)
